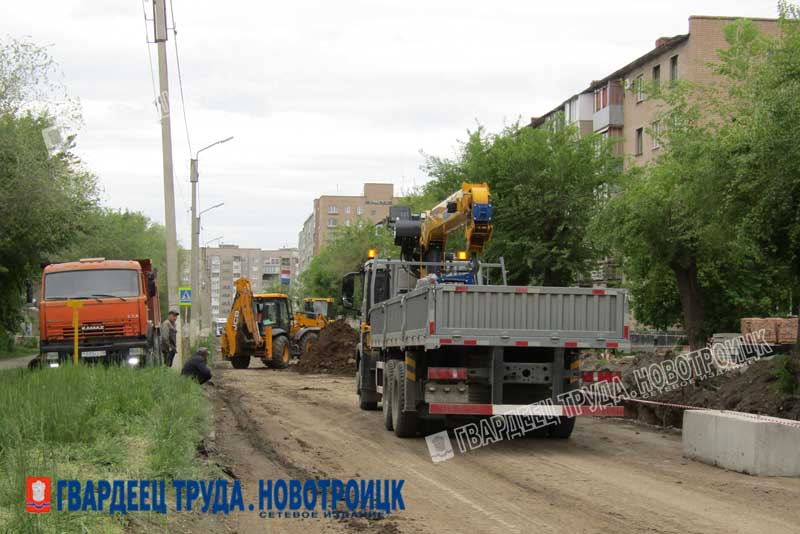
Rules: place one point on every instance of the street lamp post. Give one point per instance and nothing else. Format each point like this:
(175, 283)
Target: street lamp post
(194, 174)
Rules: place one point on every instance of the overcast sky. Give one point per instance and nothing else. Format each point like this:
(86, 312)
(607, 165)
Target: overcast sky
(322, 96)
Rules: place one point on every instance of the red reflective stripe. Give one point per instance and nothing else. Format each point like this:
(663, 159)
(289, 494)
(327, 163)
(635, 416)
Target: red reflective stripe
(625, 332)
(521, 343)
(570, 344)
(445, 341)
(461, 289)
(470, 342)
(598, 291)
(460, 409)
(520, 290)
(611, 345)
(431, 327)
(447, 373)
(601, 376)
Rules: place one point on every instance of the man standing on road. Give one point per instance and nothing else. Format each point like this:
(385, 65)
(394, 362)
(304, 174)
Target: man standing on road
(169, 337)
(196, 367)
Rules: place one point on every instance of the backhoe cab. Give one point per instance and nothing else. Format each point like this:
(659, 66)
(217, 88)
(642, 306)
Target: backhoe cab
(309, 322)
(258, 326)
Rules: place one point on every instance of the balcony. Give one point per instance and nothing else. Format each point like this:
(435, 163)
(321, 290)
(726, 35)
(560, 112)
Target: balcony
(609, 116)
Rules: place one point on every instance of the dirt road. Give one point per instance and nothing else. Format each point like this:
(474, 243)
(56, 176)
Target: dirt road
(16, 362)
(611, 476)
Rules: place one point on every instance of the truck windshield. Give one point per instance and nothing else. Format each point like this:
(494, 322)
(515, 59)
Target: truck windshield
(87, 284)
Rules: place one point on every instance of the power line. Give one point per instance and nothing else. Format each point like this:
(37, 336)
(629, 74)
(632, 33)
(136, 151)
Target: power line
(149, 57)
(180, 78)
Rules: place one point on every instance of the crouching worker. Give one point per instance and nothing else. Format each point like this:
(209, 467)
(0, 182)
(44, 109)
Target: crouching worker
(196, 367)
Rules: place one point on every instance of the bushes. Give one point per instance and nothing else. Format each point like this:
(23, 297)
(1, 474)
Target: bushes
(93, 422)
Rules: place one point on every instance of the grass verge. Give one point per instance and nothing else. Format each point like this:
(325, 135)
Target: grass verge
(94, 422)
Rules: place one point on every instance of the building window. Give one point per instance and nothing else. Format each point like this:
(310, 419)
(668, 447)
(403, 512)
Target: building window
(639, 86)
(333, 210)
(673, 68)
(597, 106)
(639, 146)
(656, 77)
(347, 210)
(372, 212)
(347, 222)
(656, 133)
(600, 98)
(331, 222)
(360, 210)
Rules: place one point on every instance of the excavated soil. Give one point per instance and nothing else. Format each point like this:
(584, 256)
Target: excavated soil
(753, 389)
(334, 351)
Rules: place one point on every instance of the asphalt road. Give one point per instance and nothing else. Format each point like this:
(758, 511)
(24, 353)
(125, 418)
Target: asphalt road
(16, 362)
(611, 476)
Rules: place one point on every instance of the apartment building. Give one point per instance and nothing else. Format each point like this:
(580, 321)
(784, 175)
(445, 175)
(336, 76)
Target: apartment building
(618, 106)
(223, 265)
(336, 211)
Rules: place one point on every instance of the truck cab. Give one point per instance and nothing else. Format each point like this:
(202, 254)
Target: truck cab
(118, 313)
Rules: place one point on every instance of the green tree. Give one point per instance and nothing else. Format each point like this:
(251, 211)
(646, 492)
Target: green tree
(546, 184)
(346, 252)
(45, 197)
(121, 235)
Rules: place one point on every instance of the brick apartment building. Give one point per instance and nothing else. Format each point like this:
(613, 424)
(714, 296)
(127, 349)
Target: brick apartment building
(335, 211)
(223, 265)
(617, 105)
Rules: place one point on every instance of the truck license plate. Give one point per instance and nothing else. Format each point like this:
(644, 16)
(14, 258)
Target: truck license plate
(93, 353)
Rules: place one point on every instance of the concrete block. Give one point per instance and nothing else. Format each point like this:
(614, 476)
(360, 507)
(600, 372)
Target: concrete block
(741, 442)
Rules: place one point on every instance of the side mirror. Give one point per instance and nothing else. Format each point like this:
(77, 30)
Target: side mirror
(152, 289)
(29, 292)
(348, 289)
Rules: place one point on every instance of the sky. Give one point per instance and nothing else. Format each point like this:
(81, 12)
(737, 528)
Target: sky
(322, 96)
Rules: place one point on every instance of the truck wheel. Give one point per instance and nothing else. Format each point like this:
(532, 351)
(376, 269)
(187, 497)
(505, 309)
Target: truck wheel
(404, 423)
(280, 352)
(388, 381)
(363, 403)
(240, 362)
(562, 429)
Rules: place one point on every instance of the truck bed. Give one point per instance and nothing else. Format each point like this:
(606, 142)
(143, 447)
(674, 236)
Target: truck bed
(447, 314)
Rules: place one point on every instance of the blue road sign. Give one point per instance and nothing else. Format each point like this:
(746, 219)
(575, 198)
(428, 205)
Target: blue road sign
(185, 296)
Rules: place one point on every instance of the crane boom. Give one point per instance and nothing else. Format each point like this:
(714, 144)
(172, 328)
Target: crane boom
(469, 208)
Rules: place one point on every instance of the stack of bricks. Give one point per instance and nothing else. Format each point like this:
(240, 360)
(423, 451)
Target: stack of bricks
(777, 330)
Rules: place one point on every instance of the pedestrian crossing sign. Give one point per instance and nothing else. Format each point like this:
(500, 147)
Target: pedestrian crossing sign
(186, 296)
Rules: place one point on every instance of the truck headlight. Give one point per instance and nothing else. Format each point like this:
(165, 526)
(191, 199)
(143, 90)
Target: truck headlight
(53, 365)
(133, 360)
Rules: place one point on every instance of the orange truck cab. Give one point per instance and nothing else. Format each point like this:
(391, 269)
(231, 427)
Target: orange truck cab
(118, 317)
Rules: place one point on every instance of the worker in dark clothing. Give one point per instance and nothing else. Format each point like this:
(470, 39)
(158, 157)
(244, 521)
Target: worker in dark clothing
(197, 366)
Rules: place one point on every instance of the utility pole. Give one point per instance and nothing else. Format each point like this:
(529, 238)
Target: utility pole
(194, 175)
(195, 311)
(160, 23)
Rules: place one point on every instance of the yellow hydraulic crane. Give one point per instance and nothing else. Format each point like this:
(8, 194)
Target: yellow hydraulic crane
(425, 239)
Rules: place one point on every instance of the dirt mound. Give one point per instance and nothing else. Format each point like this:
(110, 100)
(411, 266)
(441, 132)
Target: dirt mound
(334, 351)
(753, 389)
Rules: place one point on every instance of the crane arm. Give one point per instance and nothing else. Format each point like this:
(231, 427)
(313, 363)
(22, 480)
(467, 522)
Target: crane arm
(241, 320)
(470, 207)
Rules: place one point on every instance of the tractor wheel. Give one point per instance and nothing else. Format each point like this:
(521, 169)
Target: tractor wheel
(404, 423)
(280, 352)
(388, 382)
(307, 343)
(240, 362)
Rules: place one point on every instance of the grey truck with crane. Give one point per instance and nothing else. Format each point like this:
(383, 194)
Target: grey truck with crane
(439, 343)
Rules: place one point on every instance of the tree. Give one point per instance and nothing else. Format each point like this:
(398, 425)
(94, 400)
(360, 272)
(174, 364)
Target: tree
(546, 184)
(762, 141)
(121, 235)
(347, 252)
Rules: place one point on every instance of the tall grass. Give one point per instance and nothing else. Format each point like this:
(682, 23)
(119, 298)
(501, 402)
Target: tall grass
(93, 422)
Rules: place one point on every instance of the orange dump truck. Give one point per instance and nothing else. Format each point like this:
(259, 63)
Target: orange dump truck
(118, 317)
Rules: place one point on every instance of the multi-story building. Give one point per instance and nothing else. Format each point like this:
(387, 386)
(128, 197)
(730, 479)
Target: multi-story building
(223, 265)
(336, 211)
(618, 104)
